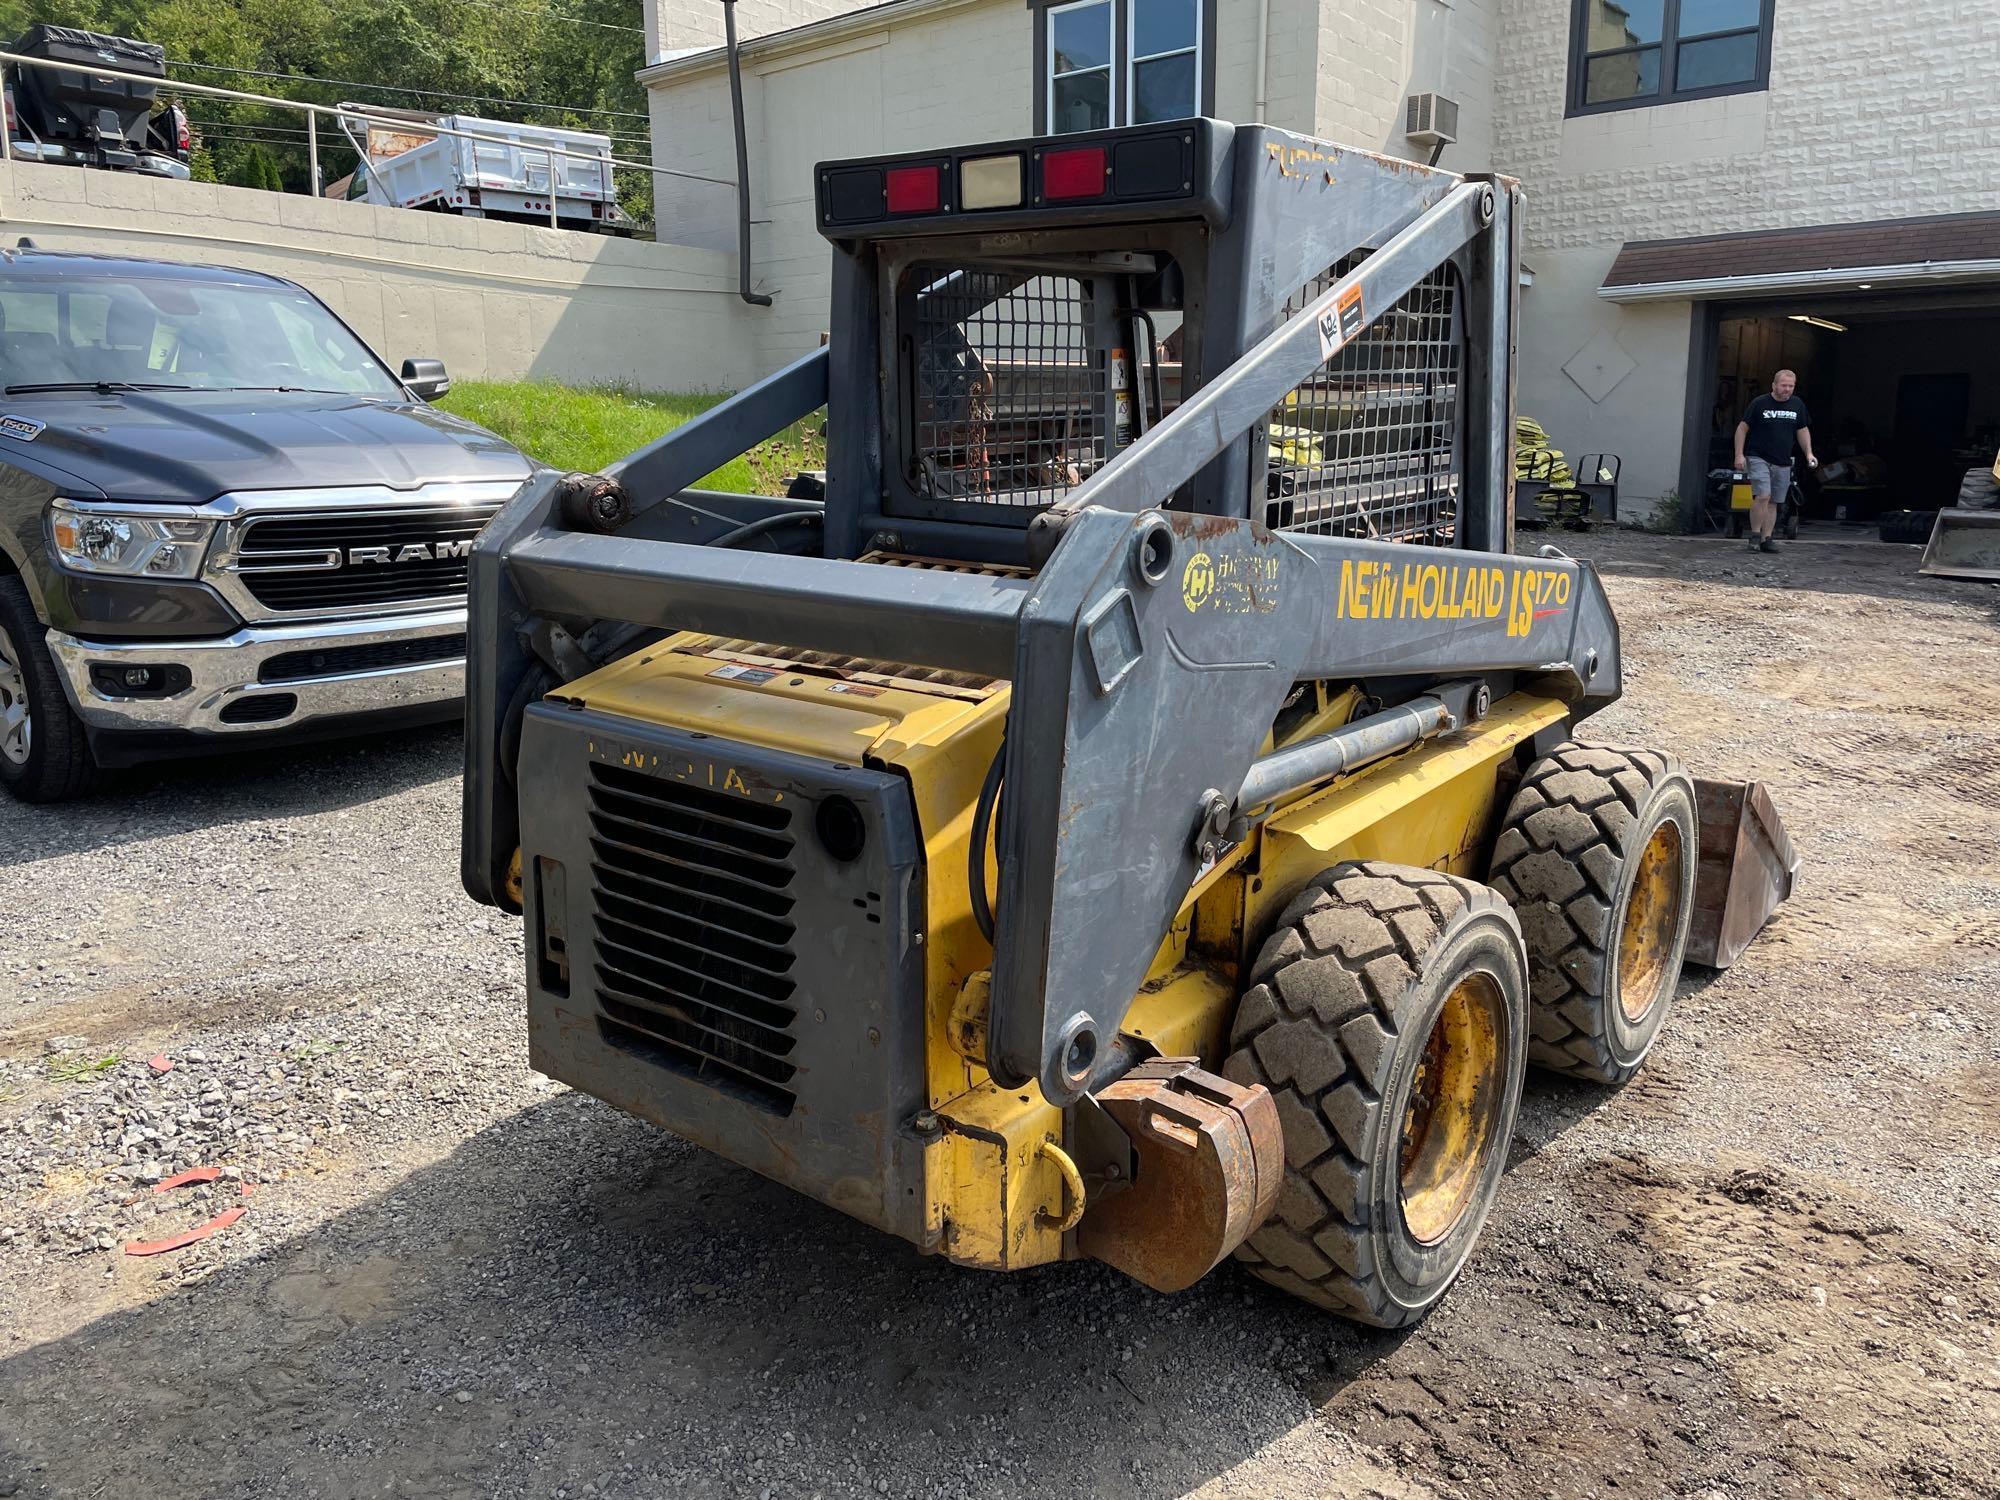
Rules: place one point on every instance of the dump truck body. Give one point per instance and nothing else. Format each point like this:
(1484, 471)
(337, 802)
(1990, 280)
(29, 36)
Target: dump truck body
(488, 168)
(959, 851)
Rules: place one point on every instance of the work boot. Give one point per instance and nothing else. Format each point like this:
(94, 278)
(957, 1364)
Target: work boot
(1767, 545)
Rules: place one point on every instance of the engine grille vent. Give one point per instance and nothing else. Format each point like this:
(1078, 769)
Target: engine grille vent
(694, 940)
(359, 561)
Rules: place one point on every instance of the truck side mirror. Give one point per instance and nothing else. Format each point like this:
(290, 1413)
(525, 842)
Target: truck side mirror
(426, 378)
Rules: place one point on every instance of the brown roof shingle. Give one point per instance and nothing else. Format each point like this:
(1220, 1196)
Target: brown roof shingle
(1824, 247)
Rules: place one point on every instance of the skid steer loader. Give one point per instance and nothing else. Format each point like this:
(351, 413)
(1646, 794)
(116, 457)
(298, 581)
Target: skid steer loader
(1133, 814)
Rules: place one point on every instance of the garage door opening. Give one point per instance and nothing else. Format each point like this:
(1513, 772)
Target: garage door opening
(1904, 394)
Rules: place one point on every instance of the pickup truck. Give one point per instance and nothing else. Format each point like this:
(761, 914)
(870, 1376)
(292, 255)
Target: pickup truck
(224, 521)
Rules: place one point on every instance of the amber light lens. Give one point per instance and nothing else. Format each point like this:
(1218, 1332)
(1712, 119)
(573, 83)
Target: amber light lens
(990, 182)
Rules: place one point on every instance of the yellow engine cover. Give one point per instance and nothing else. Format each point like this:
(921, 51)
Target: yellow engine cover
(999, 1186)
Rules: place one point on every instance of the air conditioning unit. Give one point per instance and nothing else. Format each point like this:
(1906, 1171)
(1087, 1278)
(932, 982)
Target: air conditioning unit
(1431, 119)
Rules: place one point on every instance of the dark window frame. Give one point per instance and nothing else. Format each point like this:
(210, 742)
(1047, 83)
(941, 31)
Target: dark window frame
(1668, 47)
(1121, 60)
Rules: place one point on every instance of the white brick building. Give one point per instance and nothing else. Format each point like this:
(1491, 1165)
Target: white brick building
(1629, 121)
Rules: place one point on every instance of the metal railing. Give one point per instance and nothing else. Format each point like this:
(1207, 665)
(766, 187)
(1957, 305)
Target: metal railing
(381, 115)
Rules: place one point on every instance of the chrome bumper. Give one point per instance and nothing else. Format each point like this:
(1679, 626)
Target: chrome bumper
(227, 671)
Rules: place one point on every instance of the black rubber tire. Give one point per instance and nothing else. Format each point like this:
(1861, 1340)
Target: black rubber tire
(59, 765)
(1566, 857)
(1979, 490)
(1908, 528)
(1333, 1021)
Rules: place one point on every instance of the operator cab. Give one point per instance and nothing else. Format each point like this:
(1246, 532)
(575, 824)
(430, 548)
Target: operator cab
(1042, 305)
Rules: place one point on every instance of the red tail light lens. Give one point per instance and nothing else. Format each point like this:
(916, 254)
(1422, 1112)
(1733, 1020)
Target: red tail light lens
(181, 130)
(913, 190)
(1075, 173)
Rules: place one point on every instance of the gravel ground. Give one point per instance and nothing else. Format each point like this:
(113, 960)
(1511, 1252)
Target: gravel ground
(1765, 1268)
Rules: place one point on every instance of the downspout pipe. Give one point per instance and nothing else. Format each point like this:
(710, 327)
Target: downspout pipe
(755, 299)
(1263, 53)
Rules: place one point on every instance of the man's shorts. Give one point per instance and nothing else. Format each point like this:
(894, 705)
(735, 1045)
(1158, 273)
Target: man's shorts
(1768, 481)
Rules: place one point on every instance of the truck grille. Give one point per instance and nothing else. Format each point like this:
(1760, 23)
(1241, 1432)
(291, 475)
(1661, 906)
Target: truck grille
(337, 562)
(694, 935)
(334, 661)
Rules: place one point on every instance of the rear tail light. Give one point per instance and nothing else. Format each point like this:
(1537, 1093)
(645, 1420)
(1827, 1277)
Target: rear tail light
(1061, 174)
(181, 138)
(1075, 173)
(913, 190)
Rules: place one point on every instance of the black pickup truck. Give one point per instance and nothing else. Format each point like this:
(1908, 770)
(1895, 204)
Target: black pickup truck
(223, 520)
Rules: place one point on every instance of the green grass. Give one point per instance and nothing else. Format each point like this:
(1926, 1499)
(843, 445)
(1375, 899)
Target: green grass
(77, 1069)
(583, 430)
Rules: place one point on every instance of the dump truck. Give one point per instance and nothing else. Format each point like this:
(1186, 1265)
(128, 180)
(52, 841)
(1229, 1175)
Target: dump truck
(1079, 832)
(481, 169)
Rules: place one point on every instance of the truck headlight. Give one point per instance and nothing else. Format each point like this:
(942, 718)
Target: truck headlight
(132, 544)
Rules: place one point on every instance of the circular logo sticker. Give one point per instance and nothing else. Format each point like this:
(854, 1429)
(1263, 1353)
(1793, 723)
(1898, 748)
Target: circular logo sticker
(1197, 581)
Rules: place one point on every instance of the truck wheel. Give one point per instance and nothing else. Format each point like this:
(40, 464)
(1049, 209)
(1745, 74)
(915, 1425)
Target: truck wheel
(1597, 852)
(44, 756)
(1387, 1014)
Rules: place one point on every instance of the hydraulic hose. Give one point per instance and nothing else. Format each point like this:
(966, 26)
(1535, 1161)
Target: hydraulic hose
(753, 529)
(982, 821)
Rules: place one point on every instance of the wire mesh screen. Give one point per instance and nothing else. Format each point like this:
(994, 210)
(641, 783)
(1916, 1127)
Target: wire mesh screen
(1369, 446)
(1010, 385)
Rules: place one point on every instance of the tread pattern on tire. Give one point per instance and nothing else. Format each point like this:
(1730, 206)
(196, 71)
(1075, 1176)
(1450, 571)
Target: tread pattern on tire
(1557, 859)
(66, 768)
(1317, 1026)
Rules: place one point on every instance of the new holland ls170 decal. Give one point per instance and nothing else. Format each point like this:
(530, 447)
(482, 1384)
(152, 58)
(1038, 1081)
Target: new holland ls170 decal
(1372, 590)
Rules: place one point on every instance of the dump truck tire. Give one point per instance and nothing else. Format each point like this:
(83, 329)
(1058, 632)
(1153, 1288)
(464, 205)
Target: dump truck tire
(1387, 1014)
(1597, 853)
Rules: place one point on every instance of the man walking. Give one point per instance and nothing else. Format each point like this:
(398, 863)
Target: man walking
(1764, 440)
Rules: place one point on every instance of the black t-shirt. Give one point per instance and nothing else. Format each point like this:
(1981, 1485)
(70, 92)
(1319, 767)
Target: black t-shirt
(1774, 428)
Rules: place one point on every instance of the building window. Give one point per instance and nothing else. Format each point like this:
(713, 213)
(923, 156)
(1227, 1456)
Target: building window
(1122, 62)
(1166, 60)
(1081, 96)
(1625, 54)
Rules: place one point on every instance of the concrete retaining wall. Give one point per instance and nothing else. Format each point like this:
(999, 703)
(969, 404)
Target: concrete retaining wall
(494, 301)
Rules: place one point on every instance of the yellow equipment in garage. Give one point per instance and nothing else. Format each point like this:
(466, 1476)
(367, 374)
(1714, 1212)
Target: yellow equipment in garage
(1091, 825)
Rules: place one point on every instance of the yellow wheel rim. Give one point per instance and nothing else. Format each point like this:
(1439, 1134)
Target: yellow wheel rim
(1454, 1102)
(1652, 922)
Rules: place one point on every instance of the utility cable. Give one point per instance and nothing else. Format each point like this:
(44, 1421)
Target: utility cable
(390, 88)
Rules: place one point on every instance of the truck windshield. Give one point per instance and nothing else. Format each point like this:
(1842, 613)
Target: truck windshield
(161, 331)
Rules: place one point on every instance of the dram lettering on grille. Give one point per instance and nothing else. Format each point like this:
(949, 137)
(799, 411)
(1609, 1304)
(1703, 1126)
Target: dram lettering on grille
(385, 557)
(694, 932)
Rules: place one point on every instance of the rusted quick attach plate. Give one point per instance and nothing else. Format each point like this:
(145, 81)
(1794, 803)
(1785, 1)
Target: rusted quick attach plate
(1746, 871)
(1208, 1160)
